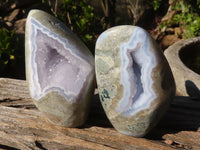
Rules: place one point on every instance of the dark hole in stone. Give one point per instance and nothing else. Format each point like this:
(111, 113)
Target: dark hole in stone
(137, 72)
(190, 56)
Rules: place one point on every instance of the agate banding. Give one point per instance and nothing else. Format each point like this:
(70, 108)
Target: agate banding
(59, 70)
(134, 79)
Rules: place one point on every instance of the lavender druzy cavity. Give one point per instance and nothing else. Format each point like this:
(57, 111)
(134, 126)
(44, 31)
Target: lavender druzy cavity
(134, 79)
(59, 70)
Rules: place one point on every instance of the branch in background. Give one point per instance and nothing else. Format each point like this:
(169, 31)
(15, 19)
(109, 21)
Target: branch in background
(108, 7)
(56, 6)
(103, 7)
(137, 8)
(53, 7)
(134, 9)
(69, 20)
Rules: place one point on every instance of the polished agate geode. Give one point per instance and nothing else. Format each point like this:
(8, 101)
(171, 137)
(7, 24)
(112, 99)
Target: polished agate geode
(134, 79)
(59, 70)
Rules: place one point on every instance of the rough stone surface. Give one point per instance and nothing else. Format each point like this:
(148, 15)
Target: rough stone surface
(19, 26)
(169, 40)
(187, 81)
(134, 80)
(13, 15)
(59, 70)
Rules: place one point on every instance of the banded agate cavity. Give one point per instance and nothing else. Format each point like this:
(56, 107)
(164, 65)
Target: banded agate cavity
(59, 70)
(134, 79)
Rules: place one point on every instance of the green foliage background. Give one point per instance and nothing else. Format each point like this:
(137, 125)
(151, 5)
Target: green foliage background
(81, 18)
(187, 17)
(11, 53)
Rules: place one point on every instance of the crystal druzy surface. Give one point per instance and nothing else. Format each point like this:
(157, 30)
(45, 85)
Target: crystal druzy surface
(59, 69)
(134, 80)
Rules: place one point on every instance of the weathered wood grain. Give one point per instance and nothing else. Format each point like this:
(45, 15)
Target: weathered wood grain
(14, 93)
(27, 129)
(22, 126)
(189, 139)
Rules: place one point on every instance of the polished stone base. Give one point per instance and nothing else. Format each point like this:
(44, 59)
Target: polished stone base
(134, 79)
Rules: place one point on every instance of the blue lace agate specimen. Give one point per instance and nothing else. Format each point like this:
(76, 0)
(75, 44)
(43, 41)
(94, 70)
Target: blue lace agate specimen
(134, 79)
(59, 70)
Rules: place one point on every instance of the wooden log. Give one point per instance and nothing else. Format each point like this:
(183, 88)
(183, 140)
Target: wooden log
(188, 139)
(28, 129)
(14, 93)
(22, 126)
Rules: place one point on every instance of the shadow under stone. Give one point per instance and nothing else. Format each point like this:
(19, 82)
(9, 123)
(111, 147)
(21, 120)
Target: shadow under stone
(192, 89)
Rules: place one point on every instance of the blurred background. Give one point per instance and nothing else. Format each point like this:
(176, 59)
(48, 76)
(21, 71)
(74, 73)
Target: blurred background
(168, 21)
